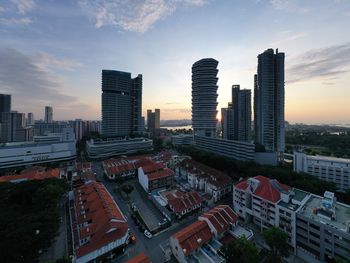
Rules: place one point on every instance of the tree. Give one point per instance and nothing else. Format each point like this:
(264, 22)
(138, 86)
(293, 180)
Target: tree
(241, 250)
(277, 240)
(127, 189)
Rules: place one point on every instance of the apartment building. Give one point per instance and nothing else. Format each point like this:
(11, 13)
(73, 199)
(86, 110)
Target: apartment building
(155, 176)
(330, 169)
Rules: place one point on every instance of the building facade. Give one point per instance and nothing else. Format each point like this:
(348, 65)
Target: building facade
(330, 169)
(108, 148)
(136, 105)
(153, 121)
(13, 127)
(5, 103)
(48, 114)
(269, 101)
(239, 150)
(204, 97)
(30, 119)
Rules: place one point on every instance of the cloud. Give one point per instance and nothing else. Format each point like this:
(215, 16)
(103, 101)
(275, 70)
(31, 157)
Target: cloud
(132, 15)
(45, 61)
(327, 63)
(287, 36)
(288, 5)
(23, 6)
(15, 21)
(32, 86)
(2, 9)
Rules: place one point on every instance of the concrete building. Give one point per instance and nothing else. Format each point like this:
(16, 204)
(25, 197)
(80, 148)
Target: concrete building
(42, 128)
(44, 149)
(102, 149)
(330, 169)
(269, 101)
(153, 121)
(48, 114)
(5, 103)
(136, 105)
(13, 127)
(203, 178)
(116, 103)
(239, 150)
(318, 227)
(204, 97)
(201, 241)
(227, 122)
(99, 228)
(323, 230)
(119, 168)
(182, 139)
(30, 119)
(80, 129)
(155, 176)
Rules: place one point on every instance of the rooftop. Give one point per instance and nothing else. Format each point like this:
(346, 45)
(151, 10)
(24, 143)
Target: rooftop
(102, 219)
(193, 236)
(36, 173)
(180, 201)
(267, 189)
(299, 196)
(140, 258)
(342, 213)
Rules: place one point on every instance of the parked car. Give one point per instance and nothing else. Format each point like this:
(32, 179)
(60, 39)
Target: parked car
(147, 234)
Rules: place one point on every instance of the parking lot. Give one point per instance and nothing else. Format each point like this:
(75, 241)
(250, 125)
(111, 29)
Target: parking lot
(148, 212)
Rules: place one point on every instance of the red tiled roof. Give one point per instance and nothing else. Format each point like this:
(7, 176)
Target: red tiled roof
(160, 174)
(268, 189)
(32, 174)
(213, 176)
(140, 258)
(153, 167)
(117, 166)
(179, 201)
(193, 236)
(107, 223)
(221, 217)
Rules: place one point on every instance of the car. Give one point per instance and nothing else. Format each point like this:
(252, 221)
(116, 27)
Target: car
(147, 234)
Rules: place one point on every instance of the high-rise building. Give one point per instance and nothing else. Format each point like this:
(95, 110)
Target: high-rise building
(269, 101)
(121, 103)
(227, 122)
(5, 103)
(80, 128)
(204, 97)
(30, 119)
(13, 128)
(48, 114)
(236, 118)
(153, 120)
(136, 105)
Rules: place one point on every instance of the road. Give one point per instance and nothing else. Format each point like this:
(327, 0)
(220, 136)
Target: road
(151, 247)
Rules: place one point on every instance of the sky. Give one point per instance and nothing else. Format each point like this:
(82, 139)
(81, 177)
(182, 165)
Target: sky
(53, 52)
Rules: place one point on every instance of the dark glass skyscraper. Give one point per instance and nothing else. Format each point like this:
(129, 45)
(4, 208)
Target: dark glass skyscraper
(5, 103)
(204, 97)
(269, 101)
(121, 103)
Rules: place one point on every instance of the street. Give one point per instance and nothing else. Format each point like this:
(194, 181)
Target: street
(151, 247)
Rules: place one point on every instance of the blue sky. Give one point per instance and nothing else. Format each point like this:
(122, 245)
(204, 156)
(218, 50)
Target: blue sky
(52, 52)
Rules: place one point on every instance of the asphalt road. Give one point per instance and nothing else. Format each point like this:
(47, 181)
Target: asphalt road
(151, 247)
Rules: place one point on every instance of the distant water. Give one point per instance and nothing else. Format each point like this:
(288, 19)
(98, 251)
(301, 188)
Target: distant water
(177, 127)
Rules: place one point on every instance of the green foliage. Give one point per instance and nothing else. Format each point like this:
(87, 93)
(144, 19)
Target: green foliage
(29, 218)
(284, 174)
(332, 144)
(241, 250)
(127, 189)
(277, 240)
(158, 144)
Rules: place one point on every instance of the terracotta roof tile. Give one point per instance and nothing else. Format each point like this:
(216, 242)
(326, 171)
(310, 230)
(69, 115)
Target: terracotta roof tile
(140, 258)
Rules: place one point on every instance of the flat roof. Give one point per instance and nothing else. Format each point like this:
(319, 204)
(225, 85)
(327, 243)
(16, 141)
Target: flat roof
(328, 158)
(342, 213)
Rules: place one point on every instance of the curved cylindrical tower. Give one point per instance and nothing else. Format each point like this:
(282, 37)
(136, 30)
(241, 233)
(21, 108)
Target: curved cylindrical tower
(204, 97)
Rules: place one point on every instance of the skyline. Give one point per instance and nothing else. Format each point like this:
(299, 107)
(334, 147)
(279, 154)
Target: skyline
(161, 40)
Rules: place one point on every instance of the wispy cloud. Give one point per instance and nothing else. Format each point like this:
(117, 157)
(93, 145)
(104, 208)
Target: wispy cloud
(21, 76)
(324, 63)
(132, 15)
(287, 36)
(24, 6)
(2, 9)
(15, 21)
(288, 5)
(47, 61)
